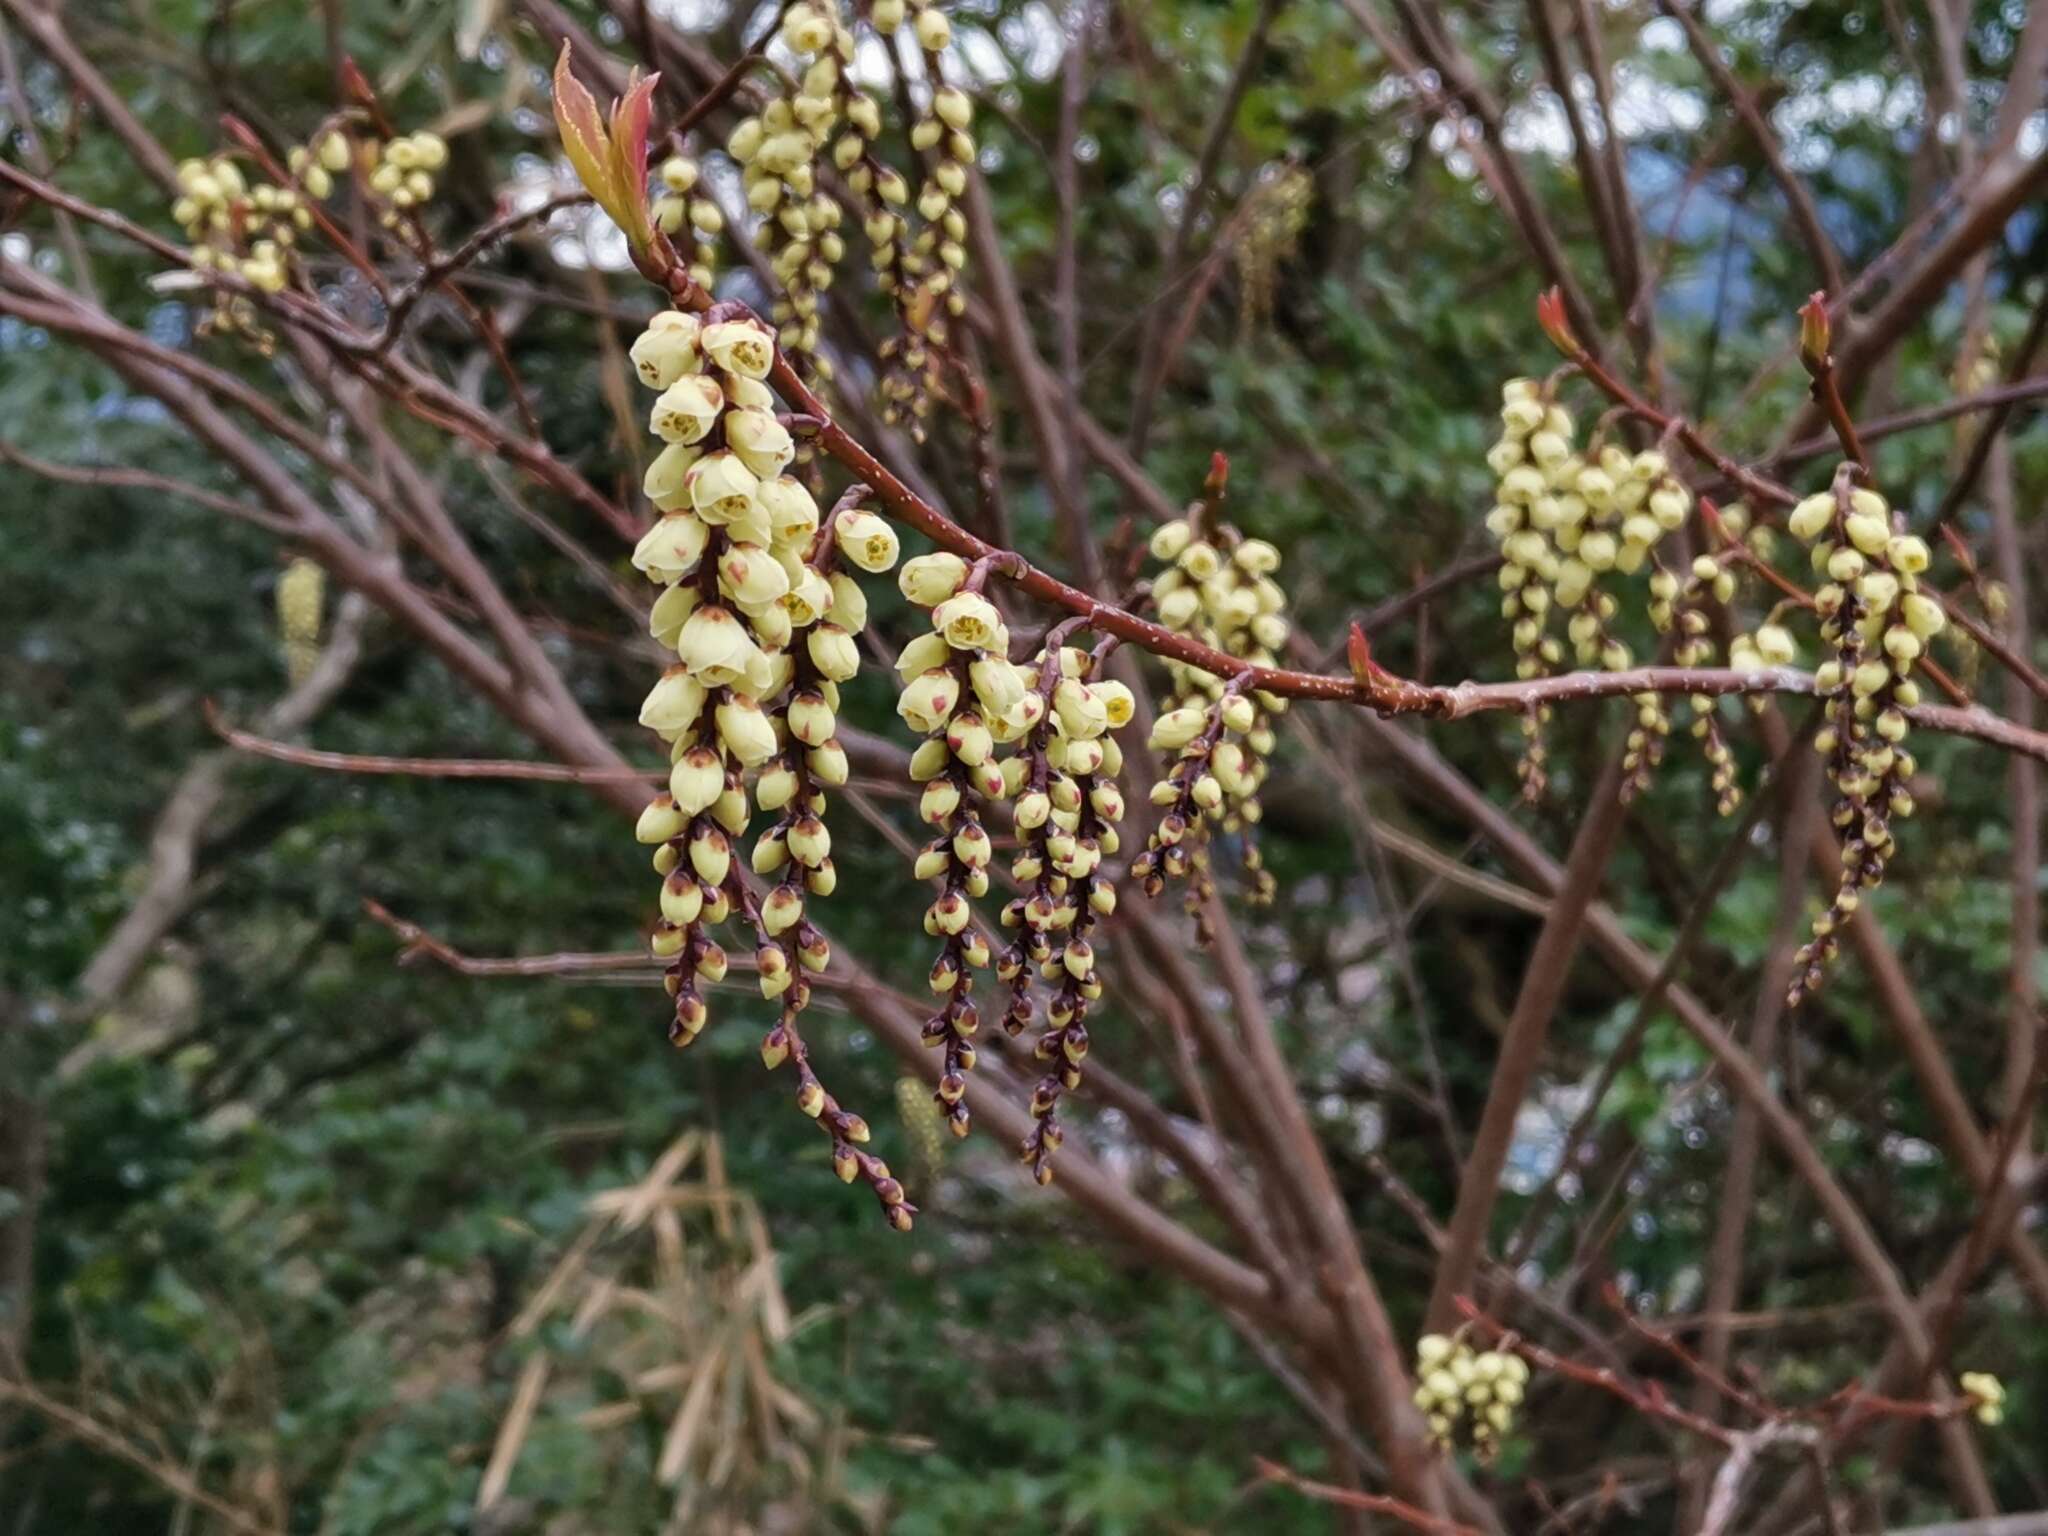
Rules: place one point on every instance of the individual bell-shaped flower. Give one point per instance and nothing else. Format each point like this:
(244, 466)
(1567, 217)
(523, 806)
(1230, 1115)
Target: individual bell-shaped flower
(716, 647)
(752, 576)
(666, 350)
(1177, 727)
(674, 703)
(792, 513)
(721, 487)
(833, 652)
(745, 347)
(997, 683)
(828, 764)
(927, 701)
(763, 443)
(928, 580)
(670, 550)
(866, 540)
(667, 481)
(660, 821)
(969, 622)
(670, 612)
(1118, 703)
(697, 780)
(687, 410)
(923, 652)
(745, 729)
(849, 608)
(811, 719)
(1082, 715)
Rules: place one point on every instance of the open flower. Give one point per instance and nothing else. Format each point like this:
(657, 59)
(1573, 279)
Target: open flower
(744, 347)
(687, 410)
(667, 349)
(792, 513)
(866, 540)
(969, 622)
(721, 487)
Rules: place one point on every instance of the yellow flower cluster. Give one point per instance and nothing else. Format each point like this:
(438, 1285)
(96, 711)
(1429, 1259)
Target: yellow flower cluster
(918, 271)
(1989, 1393)
(1218, 588)
(680, 206)
(763, 628)
(249, 228)
(1565, 522)
(1683, 607)
(963, 695)
(1062, 782)
(1457, 1384)
(401, 172)
(301, 602)
(777, 152)
(1876, 624)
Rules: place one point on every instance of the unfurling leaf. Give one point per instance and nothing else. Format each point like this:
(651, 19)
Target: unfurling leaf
(612, 165)
(1550, 315)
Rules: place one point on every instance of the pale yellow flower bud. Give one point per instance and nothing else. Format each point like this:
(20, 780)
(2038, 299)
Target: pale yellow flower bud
(1169, 539)
(660, 821)
(1812, 517)
(922, 653)
(751, 576)
(666, 482)
(927, 702)
(1923, 615)
(1775, 645)
(716, 647)
(745, 729)
(674, 703)
(697, 780)
(1908, 554)
(671, 549)
(999, 685)
(811, 720)
(763, 443)
(849, 608)
(928, 580)
(833, 652)
(1177, 727)
(810, 844)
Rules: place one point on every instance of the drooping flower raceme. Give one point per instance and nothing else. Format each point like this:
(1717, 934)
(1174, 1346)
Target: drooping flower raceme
(1457, 1385)
(1062, 785)
(762, 625)
(1568, 525)
(1876, 624)
(963, 695)
(1218, 588)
